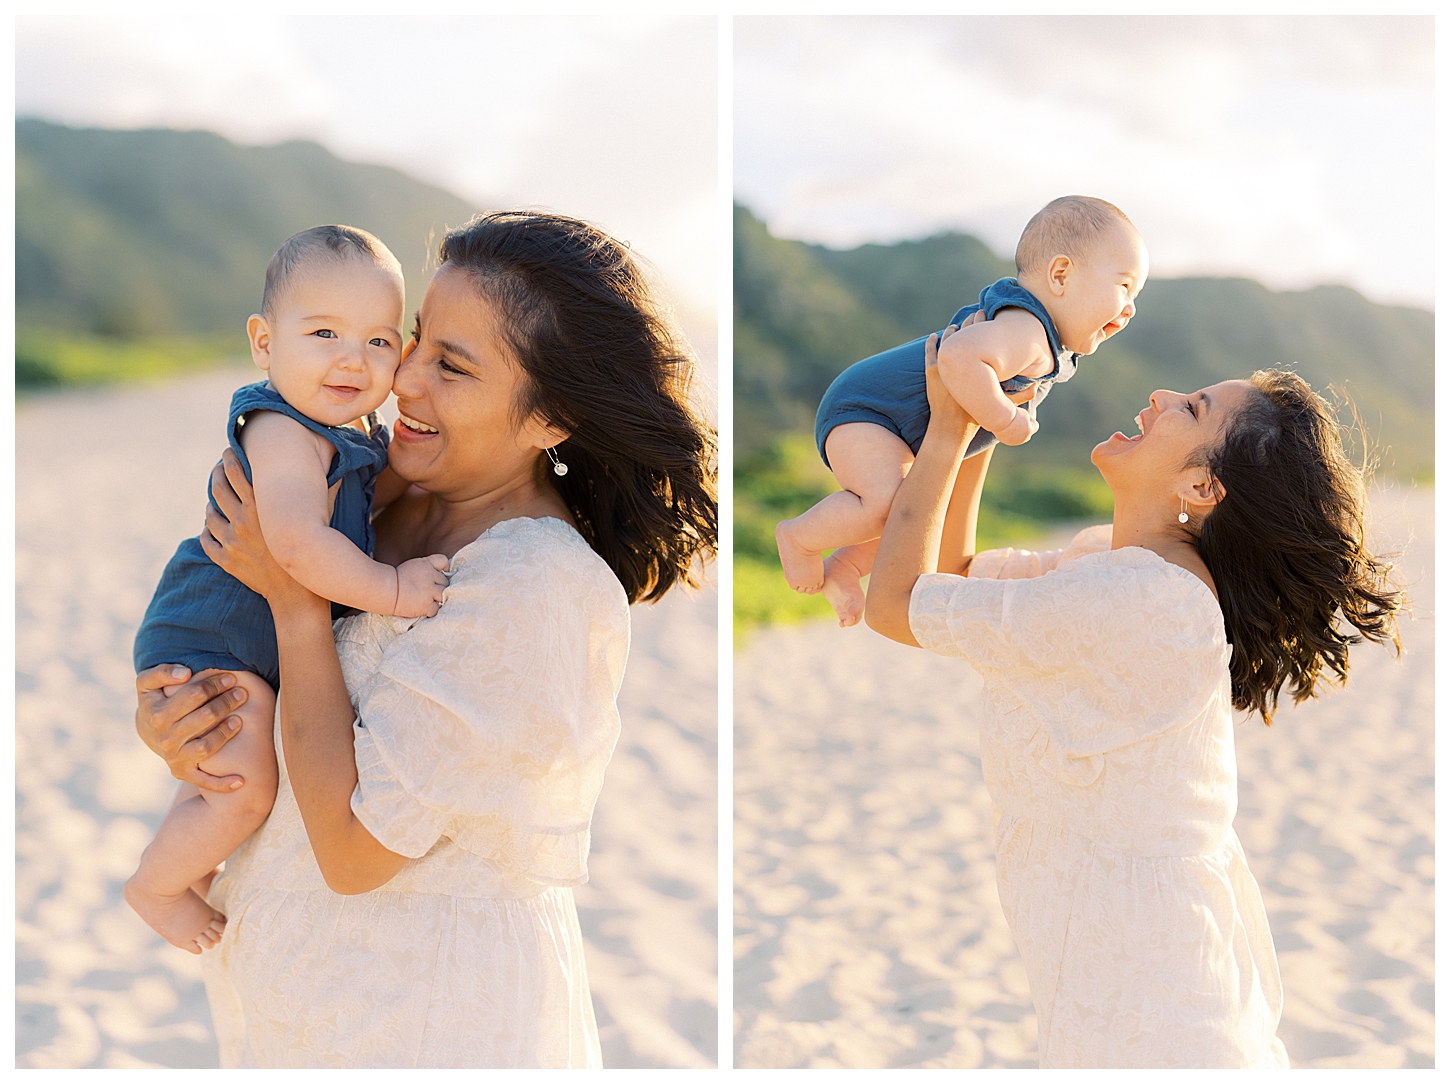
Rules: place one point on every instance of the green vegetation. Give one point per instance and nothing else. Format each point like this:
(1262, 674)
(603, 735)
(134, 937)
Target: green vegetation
(777, 482)
(803, 313)
(145, 250)
(58, 359)
(788, 477)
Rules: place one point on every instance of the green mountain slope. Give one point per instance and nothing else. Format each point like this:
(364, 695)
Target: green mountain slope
(803, 313)
(159, 233)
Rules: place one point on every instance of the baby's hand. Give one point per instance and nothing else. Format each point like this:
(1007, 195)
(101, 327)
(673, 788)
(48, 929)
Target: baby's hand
(1020, 431)
(420, 586)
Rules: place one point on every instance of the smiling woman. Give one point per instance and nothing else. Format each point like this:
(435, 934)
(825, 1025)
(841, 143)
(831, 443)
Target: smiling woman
(408, 902)
(1237, 542)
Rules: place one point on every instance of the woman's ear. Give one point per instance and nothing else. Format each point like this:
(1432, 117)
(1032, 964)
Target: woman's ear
(543, 435)
(1201, 490)
(259, 334)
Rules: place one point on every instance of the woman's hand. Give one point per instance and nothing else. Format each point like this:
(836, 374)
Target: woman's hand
(947, 416)
(233, 537)
(185, 720)
(911, 542)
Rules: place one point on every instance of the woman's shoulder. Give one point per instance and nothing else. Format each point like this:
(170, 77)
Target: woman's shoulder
(1091, 577)
(546, 552)
(1146, 595)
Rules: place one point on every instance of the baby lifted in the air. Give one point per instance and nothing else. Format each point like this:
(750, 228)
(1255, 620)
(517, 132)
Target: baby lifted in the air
(1080, 264)
(329, 338)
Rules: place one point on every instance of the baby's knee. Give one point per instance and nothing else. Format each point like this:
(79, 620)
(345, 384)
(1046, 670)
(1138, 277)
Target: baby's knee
(876, 505)
(252, 804)
(249, 753)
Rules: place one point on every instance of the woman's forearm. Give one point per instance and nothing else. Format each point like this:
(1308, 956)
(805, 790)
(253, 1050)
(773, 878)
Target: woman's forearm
(959, 533)
(911, 542)
(317, 743)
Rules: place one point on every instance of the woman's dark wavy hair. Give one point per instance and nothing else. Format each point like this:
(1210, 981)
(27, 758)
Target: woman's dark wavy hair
(603, 365)
(1286, 547)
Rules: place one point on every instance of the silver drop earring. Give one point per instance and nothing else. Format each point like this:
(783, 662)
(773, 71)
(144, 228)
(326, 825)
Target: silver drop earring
(562, 469)
(1183, 510)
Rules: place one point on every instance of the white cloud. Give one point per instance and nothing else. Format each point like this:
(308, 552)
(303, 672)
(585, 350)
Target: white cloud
(1295, 150)
(608, 118)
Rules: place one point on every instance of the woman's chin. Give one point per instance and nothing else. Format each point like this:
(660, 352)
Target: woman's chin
(1111, 448)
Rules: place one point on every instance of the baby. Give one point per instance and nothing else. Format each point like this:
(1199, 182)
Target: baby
(1080, 264)
(329, 338)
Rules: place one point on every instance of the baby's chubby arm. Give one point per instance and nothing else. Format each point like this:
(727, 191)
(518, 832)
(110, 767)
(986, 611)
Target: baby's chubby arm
(289, 476)
(974, 362)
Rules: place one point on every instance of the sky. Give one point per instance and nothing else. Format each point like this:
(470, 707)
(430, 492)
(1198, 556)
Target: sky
(608, 119)
(1296, 150)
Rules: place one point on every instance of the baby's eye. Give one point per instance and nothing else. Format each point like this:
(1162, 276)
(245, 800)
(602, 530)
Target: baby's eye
(324, 333)
(379, 342)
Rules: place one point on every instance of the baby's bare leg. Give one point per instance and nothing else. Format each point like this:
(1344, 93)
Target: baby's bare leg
(869, 461)
(204, 827)
(846, 567)
(202, 885)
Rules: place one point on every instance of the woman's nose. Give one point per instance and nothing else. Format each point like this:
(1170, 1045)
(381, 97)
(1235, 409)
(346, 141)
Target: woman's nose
(405, 379)
(1161, 399)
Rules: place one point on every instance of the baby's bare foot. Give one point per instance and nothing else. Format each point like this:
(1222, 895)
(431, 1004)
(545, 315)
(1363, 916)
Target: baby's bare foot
(212, 935)
(184, 920)
(843, 591)
(804, 570)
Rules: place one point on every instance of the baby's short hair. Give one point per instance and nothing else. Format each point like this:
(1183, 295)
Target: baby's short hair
(321, 242)
(1069, 225)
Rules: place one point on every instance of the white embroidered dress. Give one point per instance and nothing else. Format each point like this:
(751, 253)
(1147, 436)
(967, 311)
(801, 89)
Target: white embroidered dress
(1108, 751)
(481, 741)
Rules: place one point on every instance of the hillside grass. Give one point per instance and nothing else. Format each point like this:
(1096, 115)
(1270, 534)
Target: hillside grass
(61, 359)
(1020, 503)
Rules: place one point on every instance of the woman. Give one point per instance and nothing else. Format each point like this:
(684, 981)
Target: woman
(1109, 682)
(407, 904)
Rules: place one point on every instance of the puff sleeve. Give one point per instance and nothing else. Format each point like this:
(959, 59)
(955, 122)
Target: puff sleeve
(1089, 637)
(491, 723)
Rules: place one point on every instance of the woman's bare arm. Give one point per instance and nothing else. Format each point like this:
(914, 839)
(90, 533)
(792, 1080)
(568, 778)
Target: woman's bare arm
(911, 543)
(959, 531)
(317, 715)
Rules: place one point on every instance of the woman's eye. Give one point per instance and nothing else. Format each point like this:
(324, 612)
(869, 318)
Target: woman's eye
(324, 333)
(443, 364)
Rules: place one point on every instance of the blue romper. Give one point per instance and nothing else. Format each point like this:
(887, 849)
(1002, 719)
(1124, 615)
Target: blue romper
(889, 388)
(200, 616)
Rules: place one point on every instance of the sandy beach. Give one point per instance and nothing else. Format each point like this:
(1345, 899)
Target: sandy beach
(868, 930)
(107, 483)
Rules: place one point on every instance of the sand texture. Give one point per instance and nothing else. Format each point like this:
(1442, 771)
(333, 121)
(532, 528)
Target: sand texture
(108, 482)
(869, 933)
